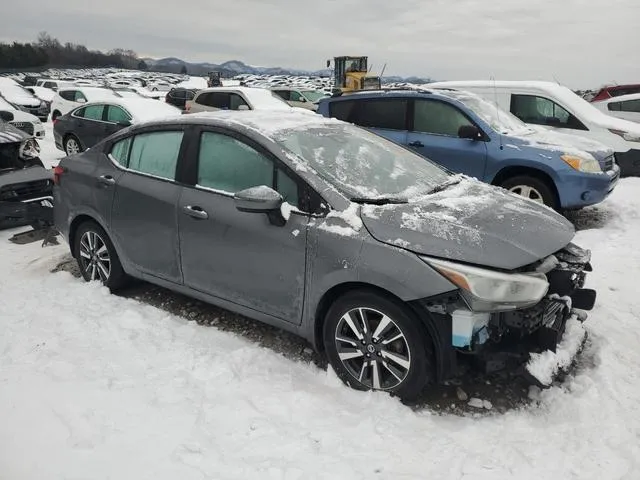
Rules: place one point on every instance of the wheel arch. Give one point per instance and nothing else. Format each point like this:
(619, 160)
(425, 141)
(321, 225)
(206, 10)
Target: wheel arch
(519, 170)
(442, 350)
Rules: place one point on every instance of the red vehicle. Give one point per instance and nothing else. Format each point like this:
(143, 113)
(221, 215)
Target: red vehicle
(615, 91)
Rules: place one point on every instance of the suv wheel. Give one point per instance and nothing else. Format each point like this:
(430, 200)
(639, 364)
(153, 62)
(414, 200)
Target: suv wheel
(374, 343)
(532, 188)
(96, 256)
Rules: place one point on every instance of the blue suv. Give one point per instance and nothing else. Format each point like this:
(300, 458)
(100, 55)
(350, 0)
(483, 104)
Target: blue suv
(467, 134)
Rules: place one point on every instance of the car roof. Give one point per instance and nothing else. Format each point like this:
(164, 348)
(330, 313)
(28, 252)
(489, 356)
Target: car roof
(620, 98)
(265, 122)
(534, 84)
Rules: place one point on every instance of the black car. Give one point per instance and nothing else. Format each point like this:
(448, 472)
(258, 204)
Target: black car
(87, 125)
(178, 96)
(25, 185)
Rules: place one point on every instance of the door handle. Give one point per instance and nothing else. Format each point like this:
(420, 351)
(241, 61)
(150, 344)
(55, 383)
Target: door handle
(417, 143)
(106, 180)
(195, 212)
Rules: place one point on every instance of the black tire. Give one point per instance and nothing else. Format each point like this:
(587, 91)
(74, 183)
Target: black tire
(72, 138)
(415, 348)
(55, 115)
(116, 277)
(541, 187)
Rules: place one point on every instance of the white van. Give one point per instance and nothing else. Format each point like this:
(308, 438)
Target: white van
(626, 107)
(558, 108)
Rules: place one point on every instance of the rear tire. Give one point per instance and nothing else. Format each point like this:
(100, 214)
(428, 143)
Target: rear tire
(97, 257)
(72, 145)
(375, 343)
(533, 188)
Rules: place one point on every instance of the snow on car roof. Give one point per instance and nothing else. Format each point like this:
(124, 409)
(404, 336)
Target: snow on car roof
(620, 98)
(145, 109)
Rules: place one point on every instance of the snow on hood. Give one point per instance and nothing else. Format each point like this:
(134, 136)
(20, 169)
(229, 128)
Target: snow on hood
(561, 143)
(472, 222)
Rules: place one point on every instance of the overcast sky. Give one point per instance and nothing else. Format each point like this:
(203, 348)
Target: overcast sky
(581, 43)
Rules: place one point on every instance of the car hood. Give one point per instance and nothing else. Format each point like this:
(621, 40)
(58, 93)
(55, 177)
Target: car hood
(544, 139)
(24, 100)
(474, 223)
(11, 134)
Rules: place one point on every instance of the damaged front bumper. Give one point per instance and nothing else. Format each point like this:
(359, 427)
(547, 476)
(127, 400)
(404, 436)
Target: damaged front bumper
(538, 341)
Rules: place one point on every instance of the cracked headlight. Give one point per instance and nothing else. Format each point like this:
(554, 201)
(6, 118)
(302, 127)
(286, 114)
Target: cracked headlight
(489, 290)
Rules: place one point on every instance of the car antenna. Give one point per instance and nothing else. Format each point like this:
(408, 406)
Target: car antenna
(495, 99)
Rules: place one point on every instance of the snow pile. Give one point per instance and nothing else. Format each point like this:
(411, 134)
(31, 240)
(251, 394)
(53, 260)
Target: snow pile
(348, 222)
(545, 366)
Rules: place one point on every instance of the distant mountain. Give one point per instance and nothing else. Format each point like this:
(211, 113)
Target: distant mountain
(232, 68)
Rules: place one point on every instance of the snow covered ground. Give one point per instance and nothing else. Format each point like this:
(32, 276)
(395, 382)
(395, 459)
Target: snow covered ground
(94, 386)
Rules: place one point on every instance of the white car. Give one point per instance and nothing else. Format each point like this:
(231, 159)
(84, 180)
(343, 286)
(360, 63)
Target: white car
(300, 97)
(23, 99)
(43, 93)
(66, 99)
(235, 98)
(26, 122)
(53, 84)
(626, 107)
(558, 108)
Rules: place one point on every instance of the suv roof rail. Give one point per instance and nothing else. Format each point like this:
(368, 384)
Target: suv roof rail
(418, 89)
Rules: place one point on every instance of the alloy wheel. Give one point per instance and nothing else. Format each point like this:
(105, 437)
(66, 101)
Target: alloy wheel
(372, 348)
(94, 257)
(528, 192)
(72, 146)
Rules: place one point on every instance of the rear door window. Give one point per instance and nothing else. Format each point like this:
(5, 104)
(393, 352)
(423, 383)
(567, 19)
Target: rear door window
(630, 106)
(94, 112)
(388, 114)
(342, 110)
(69, 95)
(156, 153)
(120, 151)
(543, 111)
(284, 94)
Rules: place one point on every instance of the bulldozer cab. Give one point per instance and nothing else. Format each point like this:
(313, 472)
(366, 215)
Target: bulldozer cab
(214, 79)
(350, 74)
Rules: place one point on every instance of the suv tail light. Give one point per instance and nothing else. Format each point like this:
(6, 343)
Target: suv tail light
(57, 173)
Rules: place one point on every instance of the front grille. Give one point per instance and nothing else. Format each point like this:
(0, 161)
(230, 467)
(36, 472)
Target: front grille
(608, 163)
(25, 191)
(26, 127)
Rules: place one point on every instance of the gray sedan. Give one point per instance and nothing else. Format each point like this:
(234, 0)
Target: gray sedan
(378, 257)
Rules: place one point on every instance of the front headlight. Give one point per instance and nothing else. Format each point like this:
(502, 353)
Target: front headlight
(629, 137)
(582, 164)
(488, 290)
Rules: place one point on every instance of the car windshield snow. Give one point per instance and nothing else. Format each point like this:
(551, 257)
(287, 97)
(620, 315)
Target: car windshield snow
(498, 119)
(360, 164)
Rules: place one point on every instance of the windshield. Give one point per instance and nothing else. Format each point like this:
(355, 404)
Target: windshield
(499, 120)
(360, 164)
(313, 95)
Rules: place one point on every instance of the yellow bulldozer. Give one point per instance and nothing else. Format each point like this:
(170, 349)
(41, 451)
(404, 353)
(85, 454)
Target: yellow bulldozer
(350, 74)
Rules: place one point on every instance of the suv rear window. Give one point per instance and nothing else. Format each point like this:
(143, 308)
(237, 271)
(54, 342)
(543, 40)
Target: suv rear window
(387, 113)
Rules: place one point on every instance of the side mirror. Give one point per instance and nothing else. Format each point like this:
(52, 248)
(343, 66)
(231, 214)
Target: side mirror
(243, 107)
(303, 100)
(6, 115)
(261, 199)
(81, 100)
(469, 131)
(123, 123)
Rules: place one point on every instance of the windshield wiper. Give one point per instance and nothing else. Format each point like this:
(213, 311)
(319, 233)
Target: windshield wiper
(379, 201)
(443, 186)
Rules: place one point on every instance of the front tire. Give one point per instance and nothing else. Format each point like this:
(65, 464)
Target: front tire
(97, 257)
(376, 343)
(532, 188)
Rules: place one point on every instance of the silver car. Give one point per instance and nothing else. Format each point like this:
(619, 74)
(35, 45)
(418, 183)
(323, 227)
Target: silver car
(381, 259)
